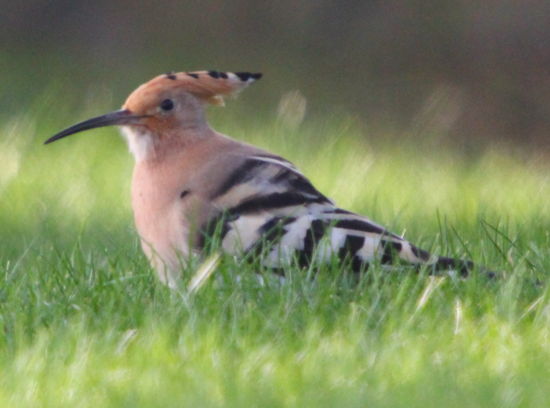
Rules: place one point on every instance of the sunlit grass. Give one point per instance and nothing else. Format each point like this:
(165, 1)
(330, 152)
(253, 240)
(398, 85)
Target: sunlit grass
(84, 322)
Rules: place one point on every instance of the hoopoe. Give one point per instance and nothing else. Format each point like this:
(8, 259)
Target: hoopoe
(191, 182)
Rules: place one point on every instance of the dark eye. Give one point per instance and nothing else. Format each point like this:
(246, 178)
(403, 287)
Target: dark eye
(167, 105)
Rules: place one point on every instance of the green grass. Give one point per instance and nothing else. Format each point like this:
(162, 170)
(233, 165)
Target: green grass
(84, 322)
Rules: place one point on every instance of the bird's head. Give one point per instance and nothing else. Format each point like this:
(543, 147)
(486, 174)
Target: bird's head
(167, 104)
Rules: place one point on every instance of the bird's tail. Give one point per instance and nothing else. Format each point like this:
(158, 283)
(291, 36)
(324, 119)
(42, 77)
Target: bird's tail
(419, 257)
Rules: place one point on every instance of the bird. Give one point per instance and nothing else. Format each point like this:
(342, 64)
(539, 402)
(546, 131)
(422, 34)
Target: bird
(193, 186)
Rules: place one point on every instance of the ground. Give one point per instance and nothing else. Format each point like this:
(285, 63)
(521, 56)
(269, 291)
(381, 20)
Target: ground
(85, 323)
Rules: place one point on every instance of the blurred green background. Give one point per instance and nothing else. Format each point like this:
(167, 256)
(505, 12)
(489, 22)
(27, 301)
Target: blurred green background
(430, 117)
(471, 72)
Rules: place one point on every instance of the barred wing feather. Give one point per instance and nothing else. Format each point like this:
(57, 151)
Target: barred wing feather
(266, 204)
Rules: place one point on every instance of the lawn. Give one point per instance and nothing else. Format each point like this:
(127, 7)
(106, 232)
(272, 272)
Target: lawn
(85, 323)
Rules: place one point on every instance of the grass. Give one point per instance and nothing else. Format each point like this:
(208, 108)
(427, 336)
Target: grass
(85, 323)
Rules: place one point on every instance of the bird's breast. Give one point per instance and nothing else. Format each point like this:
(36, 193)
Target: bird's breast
(159, 201)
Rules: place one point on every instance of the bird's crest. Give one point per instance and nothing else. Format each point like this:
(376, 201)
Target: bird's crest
(211, 86)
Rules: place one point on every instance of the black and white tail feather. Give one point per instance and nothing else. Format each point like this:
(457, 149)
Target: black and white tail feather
(266, 206)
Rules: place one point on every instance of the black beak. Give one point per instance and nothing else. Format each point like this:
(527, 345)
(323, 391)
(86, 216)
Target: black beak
(119, 117)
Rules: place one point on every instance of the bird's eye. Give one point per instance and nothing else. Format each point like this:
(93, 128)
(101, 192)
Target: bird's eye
(167, 105)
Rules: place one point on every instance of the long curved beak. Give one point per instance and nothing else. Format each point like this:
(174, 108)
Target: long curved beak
(116, 118)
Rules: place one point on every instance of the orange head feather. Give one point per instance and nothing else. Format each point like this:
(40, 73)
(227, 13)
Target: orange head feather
(170, 101)
(207, 86)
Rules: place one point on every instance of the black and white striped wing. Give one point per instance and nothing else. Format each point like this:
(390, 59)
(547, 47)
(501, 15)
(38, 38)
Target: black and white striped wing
(267, 206)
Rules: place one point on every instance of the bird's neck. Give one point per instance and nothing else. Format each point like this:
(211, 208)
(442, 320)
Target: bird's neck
(149, 146)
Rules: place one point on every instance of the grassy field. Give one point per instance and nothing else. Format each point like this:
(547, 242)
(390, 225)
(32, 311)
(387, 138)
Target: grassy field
(84, 322)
